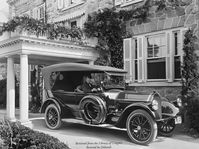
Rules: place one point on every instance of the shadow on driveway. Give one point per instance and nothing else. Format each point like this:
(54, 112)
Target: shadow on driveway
(79, 136)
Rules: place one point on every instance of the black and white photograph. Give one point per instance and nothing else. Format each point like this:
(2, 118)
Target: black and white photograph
(99, 74)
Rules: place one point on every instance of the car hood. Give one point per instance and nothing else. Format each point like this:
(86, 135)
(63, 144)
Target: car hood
(127, 95)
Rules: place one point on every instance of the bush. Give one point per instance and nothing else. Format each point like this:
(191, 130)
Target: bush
(17, 136)
(193, 113)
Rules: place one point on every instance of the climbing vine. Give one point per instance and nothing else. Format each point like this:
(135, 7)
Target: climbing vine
(190, 75)
(52, 30)
(108, 26)
(190, 79)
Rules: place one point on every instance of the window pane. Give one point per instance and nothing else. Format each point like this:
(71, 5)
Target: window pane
(157, 52)
(150, 42)
(156, 68)
(156, 46)
(136, 70)
(150, 52)
(136, 49)
(176, 43)
(73, 24)
(177, 67)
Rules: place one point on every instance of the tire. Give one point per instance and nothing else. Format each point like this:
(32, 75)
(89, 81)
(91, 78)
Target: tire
(141, 127)
(93, 110)
(52, 117)
(166, 128)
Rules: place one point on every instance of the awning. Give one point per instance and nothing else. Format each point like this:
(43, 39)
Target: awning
(69, 16)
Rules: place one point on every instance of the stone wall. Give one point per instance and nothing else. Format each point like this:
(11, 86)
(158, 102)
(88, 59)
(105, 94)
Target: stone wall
(22, 6)
(183, 16)
(89, 6)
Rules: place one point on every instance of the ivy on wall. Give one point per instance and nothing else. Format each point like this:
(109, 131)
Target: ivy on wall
(190, 75)
(52, 30)
(108, 26)
(190, 79)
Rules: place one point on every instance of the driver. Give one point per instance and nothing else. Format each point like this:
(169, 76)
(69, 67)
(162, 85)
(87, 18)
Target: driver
(87, 85)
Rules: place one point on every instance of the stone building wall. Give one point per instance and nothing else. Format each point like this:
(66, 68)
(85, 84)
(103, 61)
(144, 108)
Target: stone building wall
(183, 16)
(88, 6)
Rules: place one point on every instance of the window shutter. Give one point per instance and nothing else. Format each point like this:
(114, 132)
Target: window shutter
(169, 58)
(133, 59)
(127, 57)
(60, 4)
(140, 61)
(182, 33)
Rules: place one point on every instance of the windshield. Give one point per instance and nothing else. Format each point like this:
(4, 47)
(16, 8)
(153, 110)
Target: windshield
(108, 80)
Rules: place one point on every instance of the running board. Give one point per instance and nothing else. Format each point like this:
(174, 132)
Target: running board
(78, 121)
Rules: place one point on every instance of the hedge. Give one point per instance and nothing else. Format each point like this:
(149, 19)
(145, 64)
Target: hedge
(16, 136)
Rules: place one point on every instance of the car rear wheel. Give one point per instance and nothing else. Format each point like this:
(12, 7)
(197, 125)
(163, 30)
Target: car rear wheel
(166, 128)
(141, 127)
(52, 117)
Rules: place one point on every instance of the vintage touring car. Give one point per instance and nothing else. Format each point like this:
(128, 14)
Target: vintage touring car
(143, 115)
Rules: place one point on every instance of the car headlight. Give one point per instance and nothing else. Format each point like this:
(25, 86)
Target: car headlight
(154, 105)
(179, 102)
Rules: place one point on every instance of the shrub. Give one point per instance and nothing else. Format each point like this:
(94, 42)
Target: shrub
(17, 136)
(193, 113)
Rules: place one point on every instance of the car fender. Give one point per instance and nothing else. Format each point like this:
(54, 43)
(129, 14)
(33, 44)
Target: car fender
(50, 101)
(123, 117)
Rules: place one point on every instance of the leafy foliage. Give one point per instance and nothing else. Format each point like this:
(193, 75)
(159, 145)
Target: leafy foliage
(193, 114)
(164, 4)
(190, 75)
(53, 31)
(17, 136)
(190, 79)
(108, 25)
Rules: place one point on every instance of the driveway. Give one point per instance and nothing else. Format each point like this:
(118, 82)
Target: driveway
(79, 136)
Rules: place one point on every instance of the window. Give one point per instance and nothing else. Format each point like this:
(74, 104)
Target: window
(136, 60)
(39, 13)
(118, 2)
(154, 56)
(73, 24)
(62, 4)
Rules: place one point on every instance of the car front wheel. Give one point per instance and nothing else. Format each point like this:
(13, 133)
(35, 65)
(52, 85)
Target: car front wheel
(141, 127)
(166, 128)
(52, 117)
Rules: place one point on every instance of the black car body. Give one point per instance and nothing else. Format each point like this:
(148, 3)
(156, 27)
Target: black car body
(143, 115)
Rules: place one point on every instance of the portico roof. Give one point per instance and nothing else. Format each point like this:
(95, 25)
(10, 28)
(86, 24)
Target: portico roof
(45, 51)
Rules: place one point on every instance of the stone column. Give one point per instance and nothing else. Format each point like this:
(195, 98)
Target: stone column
(10, 105)
(24, 93)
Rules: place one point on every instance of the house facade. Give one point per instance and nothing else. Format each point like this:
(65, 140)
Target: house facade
(153, 55)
